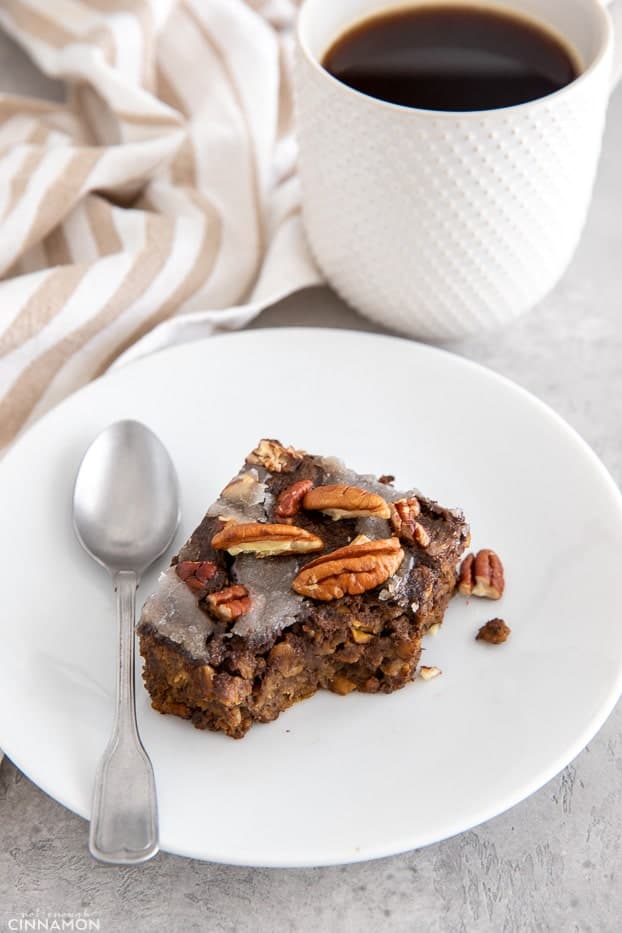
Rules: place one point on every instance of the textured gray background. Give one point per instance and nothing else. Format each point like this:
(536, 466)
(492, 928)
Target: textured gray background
(554, 862)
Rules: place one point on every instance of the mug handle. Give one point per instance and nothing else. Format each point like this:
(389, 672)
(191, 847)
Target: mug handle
(614, 8)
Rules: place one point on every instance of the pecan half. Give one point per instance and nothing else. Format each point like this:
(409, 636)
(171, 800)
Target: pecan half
(405, 510)
(341, 501)
(352, 569)
(495, 632)
(241, 487)
(230, 603)
(422, 538)
(276, 458)
(482, 575)
(265, 540)
(290, 499)
(404, 514)
(196, 573)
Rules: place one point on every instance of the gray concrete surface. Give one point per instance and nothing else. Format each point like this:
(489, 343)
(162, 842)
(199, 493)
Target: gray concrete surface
(553, 863)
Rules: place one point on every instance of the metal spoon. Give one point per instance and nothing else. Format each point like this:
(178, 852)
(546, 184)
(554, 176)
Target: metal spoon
(125, 513)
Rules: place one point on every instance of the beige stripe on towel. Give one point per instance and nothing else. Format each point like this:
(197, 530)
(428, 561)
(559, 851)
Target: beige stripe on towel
(25, 392)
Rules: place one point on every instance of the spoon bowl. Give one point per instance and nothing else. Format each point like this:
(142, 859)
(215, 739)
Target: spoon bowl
(126, 498)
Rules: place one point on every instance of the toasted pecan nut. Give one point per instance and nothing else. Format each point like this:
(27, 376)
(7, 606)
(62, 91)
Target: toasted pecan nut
(273, 456)
(290, 499)
(196, 573)
(466, 580)
(482, 575)
(404, 515)
(352, 569)
(230, 603)
(429, 673)
(265, 540)
(341, 501)
(421, 536)
(405, 510)
(495, 632)
(241, 487)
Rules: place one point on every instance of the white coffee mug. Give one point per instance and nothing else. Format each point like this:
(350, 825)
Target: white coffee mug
(442, 224)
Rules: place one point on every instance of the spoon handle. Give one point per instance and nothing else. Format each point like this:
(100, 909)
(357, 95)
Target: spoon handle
(124, 821)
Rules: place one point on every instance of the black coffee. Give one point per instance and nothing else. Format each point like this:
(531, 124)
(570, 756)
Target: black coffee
(446, 57)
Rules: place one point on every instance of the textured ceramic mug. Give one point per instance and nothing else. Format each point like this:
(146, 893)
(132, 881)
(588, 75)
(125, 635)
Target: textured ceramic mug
(441, 224)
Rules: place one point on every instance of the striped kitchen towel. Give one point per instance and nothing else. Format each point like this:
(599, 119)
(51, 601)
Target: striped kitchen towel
(160, 203)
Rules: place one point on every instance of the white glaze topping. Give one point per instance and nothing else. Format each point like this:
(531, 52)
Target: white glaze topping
(174, 612)
(274, 604)
(338, 472)
(241, 501)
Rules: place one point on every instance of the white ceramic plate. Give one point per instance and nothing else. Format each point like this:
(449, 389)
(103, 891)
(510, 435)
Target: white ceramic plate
(334, 779)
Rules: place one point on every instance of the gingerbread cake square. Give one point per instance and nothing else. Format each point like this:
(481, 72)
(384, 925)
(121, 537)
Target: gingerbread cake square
(302, 575)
